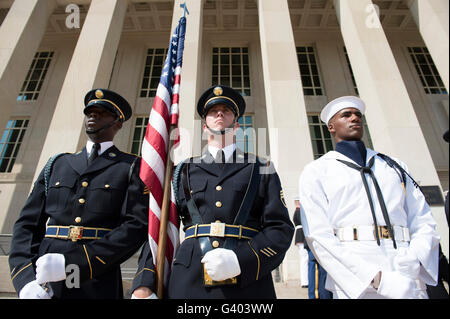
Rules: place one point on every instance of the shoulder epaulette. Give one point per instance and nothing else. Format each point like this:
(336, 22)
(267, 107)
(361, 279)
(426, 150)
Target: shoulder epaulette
(132, 154)
(399, 169)
(176, 178)
(48, 170)
(129, 157)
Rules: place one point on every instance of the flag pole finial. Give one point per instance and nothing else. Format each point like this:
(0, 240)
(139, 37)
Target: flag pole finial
(185, 10)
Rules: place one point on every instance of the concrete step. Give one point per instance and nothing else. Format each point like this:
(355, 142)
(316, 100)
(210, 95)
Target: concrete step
(290, 290)
(5, 279)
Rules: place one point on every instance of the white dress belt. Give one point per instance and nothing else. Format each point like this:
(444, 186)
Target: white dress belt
(368, 233)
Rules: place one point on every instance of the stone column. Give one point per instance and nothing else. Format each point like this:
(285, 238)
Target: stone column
(431, 17)
(289, 138)
(390, 115)
(20, 33)
(190, 89)
(335, 85)
(285, 103)
(90, 67)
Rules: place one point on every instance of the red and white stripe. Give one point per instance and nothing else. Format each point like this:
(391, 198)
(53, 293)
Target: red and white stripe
(175, 100)
(154, 159)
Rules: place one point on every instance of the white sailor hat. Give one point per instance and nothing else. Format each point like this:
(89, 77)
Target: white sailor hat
(341, 103)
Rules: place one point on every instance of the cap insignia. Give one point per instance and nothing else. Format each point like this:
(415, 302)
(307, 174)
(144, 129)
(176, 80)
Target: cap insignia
(218, 91)
(99, 94)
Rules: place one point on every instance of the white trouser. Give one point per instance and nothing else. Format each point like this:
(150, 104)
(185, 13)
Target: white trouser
(382, 255)
(303, 264)
(371, 293)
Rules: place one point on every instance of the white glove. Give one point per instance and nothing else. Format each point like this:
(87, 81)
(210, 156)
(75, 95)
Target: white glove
(50, 267)
(33, 290)
(152, 296)
(221, 264)
(395, 285)
(407, 264)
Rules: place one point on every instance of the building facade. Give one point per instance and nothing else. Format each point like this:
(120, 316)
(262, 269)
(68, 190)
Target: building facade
(288, 58)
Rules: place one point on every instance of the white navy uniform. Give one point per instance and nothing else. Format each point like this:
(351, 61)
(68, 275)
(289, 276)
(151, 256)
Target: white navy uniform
(334, 202)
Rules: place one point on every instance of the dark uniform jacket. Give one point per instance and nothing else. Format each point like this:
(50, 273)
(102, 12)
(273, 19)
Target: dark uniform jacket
(257, 257)
(299, 234)
(107, 194)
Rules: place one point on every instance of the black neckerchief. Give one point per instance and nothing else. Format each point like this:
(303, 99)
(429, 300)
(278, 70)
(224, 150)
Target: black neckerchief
(368, 170)
(355, 150)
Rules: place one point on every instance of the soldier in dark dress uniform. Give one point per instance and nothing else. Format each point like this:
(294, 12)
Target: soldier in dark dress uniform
(237, 227)
(88, 216)
(300, 242)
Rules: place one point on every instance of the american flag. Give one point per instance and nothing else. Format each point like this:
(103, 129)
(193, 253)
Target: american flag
(155, 146)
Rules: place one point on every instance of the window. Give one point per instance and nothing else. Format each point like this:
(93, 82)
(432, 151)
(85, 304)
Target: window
(231, 68)
(428, 74)
(154, 63)
(321, 139)
(10, 143)
(309, 71)
(245, 136)
(320, 136)
(35, 77)
(355, 87)
(139, 132)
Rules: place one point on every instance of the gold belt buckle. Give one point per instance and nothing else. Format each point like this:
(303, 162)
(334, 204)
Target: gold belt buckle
(217, 230)
(208, 282)
(384, 232)
(75, 233)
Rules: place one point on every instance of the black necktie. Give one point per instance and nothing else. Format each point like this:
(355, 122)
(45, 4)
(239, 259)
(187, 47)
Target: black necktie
(368, 170)
(94, 153)
(220, 158)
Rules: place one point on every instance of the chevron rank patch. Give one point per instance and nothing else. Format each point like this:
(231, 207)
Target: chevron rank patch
(282, 198)
(269, 252)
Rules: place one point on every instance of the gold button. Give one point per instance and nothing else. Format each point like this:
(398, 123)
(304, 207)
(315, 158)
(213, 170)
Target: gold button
(218, 204)
(215, 244)
(81, 200)
(57, 184)
(85, 184)
(107, 186)
(78, 220)
(218, 188)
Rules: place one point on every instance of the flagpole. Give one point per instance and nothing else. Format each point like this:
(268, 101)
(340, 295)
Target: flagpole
(162, 242)
(165, 206)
